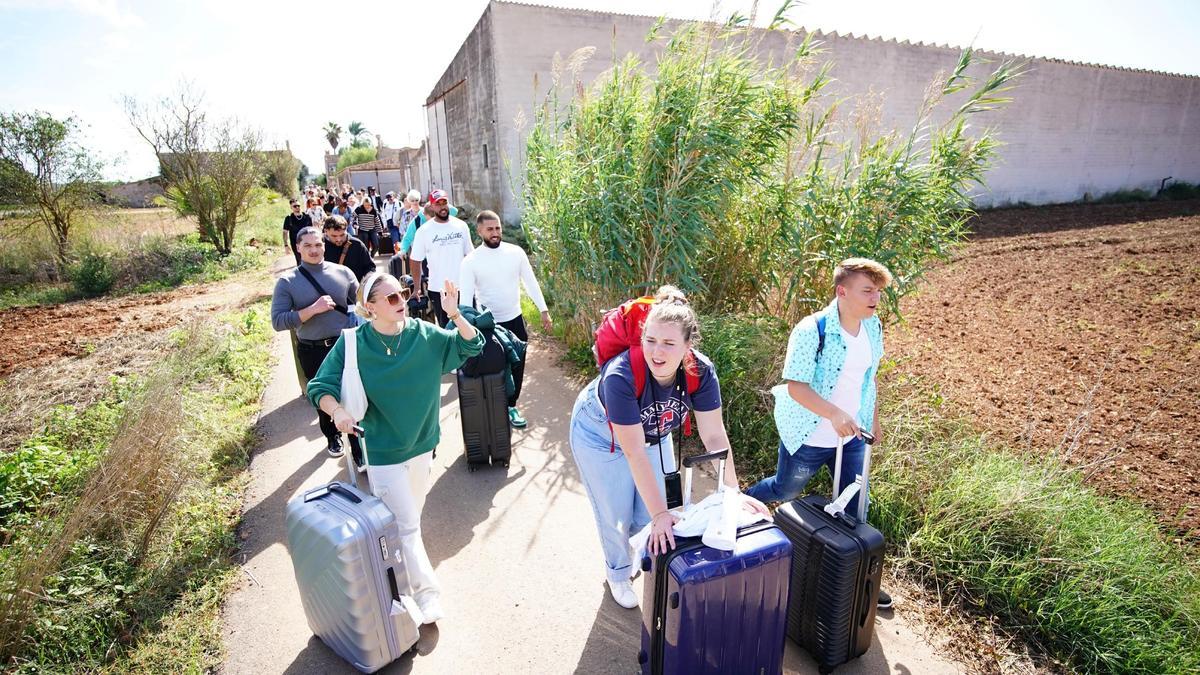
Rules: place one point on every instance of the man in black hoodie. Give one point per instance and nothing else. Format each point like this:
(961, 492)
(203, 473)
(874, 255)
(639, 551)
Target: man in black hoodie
(343, 249)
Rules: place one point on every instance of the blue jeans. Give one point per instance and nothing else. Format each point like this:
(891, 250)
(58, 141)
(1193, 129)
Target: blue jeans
(395, 233)
(616, 505)
(795, 470)
(371, 239)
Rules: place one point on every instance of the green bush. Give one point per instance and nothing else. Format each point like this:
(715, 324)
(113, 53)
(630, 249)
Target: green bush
(1180, 190)
(94, 274)
(1123, 197)
(748, 356)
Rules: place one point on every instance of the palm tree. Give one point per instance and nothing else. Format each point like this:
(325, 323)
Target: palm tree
(357, 131)
(333, 132)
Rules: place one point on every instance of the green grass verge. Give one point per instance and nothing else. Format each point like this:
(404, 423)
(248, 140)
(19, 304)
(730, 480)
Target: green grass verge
(140, 595)
(1089, 577)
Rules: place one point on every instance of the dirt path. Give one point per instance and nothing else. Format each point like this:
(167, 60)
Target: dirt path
(516, 553)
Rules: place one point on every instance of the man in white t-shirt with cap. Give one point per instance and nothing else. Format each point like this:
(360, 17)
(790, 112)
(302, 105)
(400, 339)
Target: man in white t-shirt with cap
(441, 244)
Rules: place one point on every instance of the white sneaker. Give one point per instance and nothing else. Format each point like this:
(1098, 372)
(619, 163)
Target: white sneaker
(622, 593)
(432, 611)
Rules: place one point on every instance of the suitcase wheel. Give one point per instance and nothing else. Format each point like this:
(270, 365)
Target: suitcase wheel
(471, 468)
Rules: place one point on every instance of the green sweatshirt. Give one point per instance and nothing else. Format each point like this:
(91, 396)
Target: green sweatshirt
(403, 390)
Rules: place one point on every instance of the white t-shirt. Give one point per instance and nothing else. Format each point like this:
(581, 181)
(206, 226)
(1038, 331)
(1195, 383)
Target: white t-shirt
(492, 275)
(442, 246)
(847, 393)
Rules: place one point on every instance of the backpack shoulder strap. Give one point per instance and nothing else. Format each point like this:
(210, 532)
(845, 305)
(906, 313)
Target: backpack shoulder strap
(637, 365)
(691, 373)
(820, 335)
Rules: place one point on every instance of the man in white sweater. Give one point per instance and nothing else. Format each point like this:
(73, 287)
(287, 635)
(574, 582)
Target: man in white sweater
(491, 275)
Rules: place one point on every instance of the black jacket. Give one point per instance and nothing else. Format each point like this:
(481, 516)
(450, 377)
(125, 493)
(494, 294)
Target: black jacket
(357, 257)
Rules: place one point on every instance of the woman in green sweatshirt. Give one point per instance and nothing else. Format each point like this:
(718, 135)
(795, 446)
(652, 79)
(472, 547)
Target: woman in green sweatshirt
(401, 361)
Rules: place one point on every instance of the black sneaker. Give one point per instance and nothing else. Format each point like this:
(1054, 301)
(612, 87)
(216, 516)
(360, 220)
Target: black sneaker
(335, 446)
(885, 600)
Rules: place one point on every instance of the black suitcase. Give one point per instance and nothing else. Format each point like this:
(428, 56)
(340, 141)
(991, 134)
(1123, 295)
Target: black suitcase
(483, 407)
(837, 563)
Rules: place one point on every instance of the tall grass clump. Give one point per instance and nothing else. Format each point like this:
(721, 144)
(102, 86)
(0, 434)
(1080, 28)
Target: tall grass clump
(119, 518)
(1090, 578)
(721, 169)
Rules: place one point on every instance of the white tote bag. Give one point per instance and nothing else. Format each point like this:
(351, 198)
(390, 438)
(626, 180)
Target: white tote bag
(354, 397)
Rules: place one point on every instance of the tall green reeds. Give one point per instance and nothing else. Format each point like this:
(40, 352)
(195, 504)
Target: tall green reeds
(721, 171)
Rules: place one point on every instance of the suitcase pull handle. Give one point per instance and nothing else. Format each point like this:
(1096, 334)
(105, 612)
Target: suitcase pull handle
(338, 487)
(693, 460)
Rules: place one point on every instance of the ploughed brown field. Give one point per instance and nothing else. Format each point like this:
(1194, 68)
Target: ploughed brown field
(1076, 329)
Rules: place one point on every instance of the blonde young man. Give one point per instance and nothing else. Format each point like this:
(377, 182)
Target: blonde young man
(829, 388)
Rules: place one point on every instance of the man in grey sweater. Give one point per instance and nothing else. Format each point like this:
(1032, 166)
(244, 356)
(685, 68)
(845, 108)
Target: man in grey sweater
(316, 316)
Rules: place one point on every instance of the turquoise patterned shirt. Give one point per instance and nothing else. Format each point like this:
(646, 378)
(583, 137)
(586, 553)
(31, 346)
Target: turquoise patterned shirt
(795, 422)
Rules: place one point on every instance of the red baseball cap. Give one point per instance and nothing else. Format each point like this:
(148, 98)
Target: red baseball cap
(438, 195)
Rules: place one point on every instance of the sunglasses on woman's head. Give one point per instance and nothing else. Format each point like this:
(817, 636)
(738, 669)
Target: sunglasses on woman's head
(397, 297)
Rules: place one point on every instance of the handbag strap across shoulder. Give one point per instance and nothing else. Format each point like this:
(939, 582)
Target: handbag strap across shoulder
(350, 337)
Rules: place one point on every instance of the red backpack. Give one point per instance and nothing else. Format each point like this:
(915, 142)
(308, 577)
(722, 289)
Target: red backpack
(621, 330)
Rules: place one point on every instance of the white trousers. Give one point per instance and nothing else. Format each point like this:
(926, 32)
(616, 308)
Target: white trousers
(402, 488)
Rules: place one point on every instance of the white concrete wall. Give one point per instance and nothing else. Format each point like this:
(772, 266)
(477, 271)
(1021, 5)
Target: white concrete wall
(1071, 130)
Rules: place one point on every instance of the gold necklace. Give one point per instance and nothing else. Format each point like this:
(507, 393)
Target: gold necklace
(385, 344)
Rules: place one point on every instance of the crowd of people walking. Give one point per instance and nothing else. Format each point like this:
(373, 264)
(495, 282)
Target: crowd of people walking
(622, 421)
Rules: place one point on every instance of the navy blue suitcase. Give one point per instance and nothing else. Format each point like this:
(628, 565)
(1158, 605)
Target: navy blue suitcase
(711, 611)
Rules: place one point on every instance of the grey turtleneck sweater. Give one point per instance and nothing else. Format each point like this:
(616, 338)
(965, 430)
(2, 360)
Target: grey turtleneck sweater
(293, 293)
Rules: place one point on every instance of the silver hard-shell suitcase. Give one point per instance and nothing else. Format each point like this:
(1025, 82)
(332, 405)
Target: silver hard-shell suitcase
(345, 549)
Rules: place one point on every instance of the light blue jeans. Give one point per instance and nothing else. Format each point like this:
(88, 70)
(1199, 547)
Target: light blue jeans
(604, 470)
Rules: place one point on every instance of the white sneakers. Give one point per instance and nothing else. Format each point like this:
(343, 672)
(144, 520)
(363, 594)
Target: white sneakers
(622, 593)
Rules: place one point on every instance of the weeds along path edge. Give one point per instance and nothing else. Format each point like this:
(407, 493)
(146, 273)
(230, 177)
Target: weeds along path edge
(137, 580)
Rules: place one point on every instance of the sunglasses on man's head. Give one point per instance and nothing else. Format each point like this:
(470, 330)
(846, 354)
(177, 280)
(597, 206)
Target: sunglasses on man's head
(398, 297)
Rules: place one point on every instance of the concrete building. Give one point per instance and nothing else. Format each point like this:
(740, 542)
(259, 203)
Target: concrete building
(1073, 129)
(394, 169)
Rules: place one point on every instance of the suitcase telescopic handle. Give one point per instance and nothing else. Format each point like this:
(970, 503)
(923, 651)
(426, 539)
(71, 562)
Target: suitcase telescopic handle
(350, 467)
(689, 462)
(862, 482)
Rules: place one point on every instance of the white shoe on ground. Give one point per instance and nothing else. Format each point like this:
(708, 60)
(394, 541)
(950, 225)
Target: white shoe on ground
(622, 593)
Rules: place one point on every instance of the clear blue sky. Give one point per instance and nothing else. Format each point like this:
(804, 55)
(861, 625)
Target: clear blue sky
(290, 67)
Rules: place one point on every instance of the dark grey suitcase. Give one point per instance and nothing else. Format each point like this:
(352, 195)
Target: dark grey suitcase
(837, 563)
(345, 546)
(483, 407)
